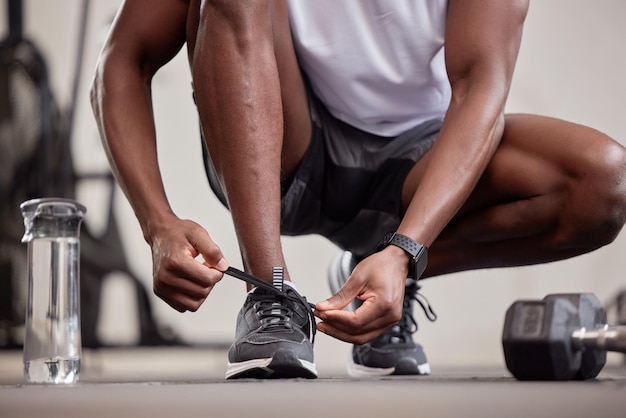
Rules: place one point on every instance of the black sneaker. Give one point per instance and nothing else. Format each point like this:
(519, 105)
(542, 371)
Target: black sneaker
(394, 352)
(273, 335)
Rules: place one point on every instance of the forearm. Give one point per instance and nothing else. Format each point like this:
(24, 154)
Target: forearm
(121, 101)
(469, 136)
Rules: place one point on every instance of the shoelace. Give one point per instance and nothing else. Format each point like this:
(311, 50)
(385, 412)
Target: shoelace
(407, 325)
(271, 315)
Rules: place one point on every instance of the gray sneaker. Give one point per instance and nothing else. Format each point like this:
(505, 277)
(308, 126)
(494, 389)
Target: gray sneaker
(394, 352)
(273, 335)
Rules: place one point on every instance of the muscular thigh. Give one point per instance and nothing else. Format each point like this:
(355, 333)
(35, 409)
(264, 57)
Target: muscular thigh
(539, 156)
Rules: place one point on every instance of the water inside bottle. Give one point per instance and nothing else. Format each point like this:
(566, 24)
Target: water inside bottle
(52, 346)
(52, 370)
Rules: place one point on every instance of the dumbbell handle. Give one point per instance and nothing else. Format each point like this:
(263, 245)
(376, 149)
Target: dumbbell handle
(607, 338)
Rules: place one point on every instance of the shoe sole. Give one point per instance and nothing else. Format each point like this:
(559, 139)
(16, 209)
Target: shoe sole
(404, 367)
(284, 364)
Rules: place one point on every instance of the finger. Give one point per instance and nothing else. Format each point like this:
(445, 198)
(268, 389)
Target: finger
(179, 301)
(342, 298)
(210, 251)
(349, 338)
(183, 265)
(183, 304)
(183, 286)
(200, 273)
(366, 319)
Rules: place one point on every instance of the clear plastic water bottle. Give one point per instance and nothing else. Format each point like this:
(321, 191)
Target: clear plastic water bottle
(52, 343)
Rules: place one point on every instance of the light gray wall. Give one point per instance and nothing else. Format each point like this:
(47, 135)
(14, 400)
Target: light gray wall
(571, 66)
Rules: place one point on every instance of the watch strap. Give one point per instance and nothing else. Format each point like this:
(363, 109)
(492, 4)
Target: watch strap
(417, 252)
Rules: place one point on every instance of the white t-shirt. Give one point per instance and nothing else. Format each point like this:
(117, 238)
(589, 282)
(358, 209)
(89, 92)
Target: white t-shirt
(376, 64)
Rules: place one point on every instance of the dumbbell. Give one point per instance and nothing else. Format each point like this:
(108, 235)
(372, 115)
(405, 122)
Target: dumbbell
(562, 337)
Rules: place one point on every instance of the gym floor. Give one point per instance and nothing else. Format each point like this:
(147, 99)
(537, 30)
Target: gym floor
(189, 382)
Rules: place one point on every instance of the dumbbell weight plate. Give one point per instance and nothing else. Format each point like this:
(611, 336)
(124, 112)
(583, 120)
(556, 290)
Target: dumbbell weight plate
(592, 316)
(537, 340)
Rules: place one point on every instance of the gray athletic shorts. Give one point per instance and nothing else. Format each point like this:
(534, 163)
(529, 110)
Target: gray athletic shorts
(348, 186)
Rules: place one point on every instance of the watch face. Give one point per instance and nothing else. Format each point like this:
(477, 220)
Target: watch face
(421, 261)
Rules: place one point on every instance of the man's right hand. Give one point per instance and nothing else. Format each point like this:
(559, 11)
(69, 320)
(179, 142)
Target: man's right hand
(381, 289)
(178, 277)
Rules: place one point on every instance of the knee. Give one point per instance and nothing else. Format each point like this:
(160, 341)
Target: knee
(600, 202)
(611, 186)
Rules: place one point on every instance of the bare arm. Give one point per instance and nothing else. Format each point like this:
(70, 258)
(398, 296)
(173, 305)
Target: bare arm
(122, 103)
(482, 42)
(145, 36)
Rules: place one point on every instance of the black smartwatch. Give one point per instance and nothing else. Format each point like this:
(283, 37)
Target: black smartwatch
(415, 250)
